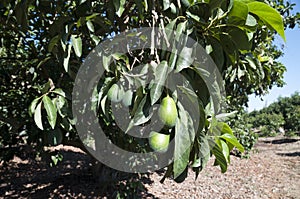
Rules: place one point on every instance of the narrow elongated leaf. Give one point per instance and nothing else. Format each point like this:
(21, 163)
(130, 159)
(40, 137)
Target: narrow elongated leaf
(220, 158)
(268, 15)
(226, 116)
(38, 116)
(90, 26)
(181, 28)
(119, 6)
(204, 153)
(184, 138)
(214, 84)
(185, 59)
(142, 115)
(251, 62)
(225, 150)
(33, 106)
(233, 140)
(77, 45)
(67, 58)
(60, 92)
(51, 111)
(61, 106)
(160, 73)
(166, 4)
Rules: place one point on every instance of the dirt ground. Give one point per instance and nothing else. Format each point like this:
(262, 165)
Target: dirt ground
(273, 171)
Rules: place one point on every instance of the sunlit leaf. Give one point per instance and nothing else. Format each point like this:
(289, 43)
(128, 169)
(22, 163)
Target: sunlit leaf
(119, 6)
(38, 116)
(161, 74)
(67, 58)
(233, 140)
(51, 111)
(184, 137)
(32, 106)
(269, 15)
(77, 45)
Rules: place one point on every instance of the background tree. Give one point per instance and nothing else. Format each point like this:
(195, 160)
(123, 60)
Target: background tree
(45, 42)
(282, 113)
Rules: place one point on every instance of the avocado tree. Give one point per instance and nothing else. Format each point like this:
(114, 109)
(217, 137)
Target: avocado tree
(44, 44)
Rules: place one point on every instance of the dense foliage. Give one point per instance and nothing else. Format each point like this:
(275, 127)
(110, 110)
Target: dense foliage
(242, 126)
(284, 113)
(43, 44)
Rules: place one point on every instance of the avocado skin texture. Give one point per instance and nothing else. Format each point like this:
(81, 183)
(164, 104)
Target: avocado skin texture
(159, 142)
(168, 112)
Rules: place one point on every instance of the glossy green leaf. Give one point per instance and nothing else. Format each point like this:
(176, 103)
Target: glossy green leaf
(32, 106)
(127, 98)
(90, 26)
(239, 12)
(239, 37)
(161, 74)
(38, 116)
(51, 111)
(184, 138)
(60, 103)
(225, 128)
(204, 71)
(185, 58)
(251, 21)
(251, 62)
(204, 153)
(60, 92)
(67, 58)
(220, 158)
(268, 15)
(77, 45)
(241, 73)
(143, 113)
(181, 28)
(166, 4)
(233, 140)
(182, 176)
(225, 150)
(119, 6)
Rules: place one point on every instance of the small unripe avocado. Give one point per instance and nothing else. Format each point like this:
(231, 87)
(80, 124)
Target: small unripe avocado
(168, 112)
(159, 142)
(115, 93)
(127, 98)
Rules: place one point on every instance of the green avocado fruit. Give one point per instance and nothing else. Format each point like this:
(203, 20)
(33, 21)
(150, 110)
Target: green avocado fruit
(127, 98)
(159, 142)
(115, 93)
(168, 112)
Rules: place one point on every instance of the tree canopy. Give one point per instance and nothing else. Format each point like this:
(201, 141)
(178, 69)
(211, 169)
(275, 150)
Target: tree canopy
(44, 43)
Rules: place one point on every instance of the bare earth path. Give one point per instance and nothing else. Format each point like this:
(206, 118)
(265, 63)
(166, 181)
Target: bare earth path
(273, 171)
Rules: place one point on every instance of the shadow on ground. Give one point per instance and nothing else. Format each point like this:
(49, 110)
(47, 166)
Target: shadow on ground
(72, 178)
(294, 154)
(281, 141)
